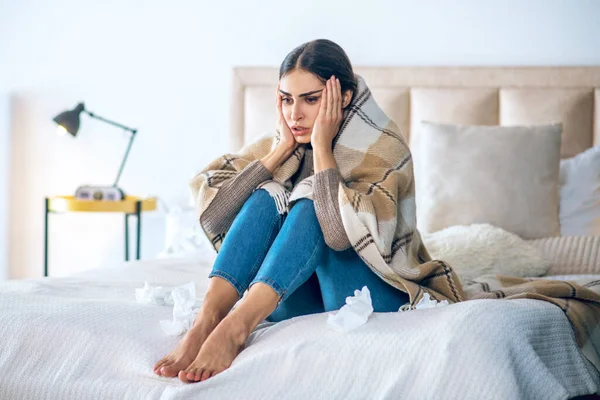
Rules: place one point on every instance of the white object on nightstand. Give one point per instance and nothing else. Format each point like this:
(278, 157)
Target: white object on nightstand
(184, 235)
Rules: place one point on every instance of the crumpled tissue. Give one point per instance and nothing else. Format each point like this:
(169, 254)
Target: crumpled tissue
(424, 303)
(354, 313)
(183, 300)
(157, 295)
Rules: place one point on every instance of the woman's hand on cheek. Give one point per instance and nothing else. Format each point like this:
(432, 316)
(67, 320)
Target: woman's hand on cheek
(287, 142)
(329, 117)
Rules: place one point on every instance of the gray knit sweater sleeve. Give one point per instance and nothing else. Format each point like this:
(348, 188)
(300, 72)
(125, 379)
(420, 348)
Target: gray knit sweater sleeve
(325, 196)
(232, 195)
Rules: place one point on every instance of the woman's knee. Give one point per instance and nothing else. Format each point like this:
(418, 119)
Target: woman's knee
(305, 207)
(256, 225)
(260, 206)
(303, 213)
(260, 198)
(302, 225)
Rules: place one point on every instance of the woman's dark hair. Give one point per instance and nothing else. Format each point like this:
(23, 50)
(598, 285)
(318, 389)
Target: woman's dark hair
(323, 58)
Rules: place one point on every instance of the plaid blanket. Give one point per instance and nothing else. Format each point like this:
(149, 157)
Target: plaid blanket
(378, 211)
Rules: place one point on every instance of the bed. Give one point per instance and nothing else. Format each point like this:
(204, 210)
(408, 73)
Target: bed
(86, 336)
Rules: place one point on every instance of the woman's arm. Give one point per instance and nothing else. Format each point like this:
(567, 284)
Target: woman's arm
(230, 198)
(325, 196)
(276, 157)
(232, 195)
(327, 176)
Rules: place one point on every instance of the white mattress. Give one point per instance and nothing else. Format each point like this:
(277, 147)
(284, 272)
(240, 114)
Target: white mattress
(85, 337)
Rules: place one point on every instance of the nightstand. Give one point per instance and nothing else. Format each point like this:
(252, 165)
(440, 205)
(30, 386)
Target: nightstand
(130, 206)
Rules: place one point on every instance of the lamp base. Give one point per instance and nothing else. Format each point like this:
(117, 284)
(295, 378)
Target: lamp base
(99, 193)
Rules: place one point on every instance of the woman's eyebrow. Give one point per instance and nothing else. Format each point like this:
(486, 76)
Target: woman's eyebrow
(303, 94)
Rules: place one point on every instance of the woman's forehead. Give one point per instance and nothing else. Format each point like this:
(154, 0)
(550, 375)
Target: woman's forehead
(299, 81)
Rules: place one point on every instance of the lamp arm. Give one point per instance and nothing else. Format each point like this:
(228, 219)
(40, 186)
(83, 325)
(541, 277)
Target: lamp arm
(91, 114)
(133, 132)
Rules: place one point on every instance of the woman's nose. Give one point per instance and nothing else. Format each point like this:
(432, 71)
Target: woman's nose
(296, 113)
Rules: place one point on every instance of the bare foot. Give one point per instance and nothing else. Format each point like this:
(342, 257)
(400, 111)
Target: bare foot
(218, 351)
(187, 349)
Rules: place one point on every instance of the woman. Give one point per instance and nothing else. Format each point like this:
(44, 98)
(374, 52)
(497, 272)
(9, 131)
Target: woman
(293, 252)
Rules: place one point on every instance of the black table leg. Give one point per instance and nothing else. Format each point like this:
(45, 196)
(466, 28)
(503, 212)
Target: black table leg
(138, 212)
(46, 238)
(126, 237)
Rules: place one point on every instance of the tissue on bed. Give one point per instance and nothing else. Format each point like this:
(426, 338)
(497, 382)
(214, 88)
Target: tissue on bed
(354, 314)
(424, 303)
(158, 295)
(183, 299)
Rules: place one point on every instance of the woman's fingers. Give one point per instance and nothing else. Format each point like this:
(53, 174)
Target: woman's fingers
(280, 120)
(278, 98)
(338, 99)
(330, 93)
(323, 105)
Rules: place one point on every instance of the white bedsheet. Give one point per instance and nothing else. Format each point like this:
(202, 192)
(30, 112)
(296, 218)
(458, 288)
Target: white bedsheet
(85, 337)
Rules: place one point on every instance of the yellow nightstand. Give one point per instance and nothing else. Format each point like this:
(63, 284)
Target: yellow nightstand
(132, 205)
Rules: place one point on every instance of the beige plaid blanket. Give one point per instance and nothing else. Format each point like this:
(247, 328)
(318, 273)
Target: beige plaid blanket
(377, 206)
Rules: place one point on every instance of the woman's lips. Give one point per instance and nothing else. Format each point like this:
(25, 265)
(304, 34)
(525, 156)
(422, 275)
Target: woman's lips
(299, 130)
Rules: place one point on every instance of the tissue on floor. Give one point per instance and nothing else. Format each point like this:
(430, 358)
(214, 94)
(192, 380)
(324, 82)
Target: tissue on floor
(354, 314)
(183, 299)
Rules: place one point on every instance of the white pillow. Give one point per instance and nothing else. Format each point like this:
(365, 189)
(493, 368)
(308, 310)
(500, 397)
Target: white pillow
(506, 176)
(579, 208)
(482, 249)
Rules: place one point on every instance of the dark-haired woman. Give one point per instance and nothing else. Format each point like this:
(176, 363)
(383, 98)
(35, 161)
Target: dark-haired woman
(294, 261)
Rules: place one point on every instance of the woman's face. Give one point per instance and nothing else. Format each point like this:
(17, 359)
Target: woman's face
(300, 93)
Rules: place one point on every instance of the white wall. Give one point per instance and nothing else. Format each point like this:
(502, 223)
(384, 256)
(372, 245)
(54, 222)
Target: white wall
(165, 69)
(4, 182)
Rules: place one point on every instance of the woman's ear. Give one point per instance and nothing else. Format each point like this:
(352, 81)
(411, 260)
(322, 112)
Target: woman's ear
(346, 98)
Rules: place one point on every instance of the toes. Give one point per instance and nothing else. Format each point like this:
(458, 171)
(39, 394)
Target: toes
(194, 375)
(191, 375)
(198, 376)
(160, 362)
(169, 370)
(205, 375)
(183, 377)
(159, 365)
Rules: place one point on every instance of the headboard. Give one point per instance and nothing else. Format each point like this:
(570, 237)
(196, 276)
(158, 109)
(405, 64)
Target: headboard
(461, 95)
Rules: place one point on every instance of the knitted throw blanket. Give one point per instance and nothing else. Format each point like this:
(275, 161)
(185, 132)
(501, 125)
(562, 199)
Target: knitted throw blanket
(376, 200)
(377, 207)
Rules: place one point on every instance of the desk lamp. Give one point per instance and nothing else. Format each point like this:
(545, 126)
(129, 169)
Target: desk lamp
(68, 122)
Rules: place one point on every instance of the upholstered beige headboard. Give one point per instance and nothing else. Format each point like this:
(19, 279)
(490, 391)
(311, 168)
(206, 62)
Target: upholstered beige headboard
(462, 95)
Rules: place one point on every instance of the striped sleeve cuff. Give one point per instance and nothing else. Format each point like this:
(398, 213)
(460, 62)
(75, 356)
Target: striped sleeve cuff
(325, 196)
(232, 195)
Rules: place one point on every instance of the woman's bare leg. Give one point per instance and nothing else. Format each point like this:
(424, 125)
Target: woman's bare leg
(226, 340)
(220, 298)
(291, 260)
(241, 254)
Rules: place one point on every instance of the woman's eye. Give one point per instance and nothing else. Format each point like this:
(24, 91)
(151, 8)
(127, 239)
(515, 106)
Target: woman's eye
(312, 100)
(286, 100)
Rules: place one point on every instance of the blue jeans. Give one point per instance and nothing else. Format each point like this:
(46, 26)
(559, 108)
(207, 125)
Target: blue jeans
(289, 253)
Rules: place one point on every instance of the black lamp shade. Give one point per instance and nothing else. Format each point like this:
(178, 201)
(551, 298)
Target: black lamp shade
(70, 119)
